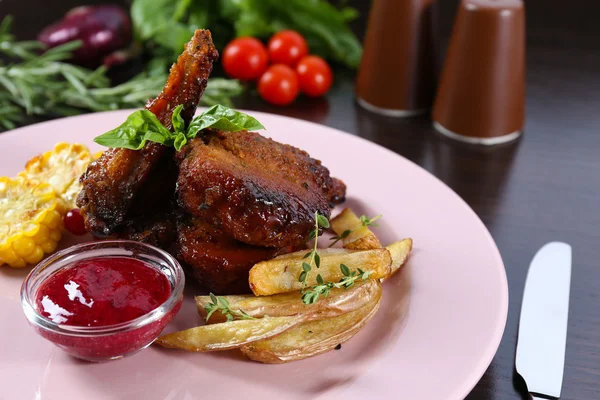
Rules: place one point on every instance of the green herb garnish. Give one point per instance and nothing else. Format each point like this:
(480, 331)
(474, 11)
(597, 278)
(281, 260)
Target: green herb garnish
(222, 305)
(364, 221)
(47, 85)
(320, 222)
(367, 221)
(142, 126)
(322, 288)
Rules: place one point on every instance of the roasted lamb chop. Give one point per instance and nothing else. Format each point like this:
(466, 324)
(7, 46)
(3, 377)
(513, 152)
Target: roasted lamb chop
(120, 177)
(217, 261)
(255, 189)
(224, 202)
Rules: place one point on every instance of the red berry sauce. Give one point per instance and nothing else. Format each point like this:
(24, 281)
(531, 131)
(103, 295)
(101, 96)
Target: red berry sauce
(104, 291)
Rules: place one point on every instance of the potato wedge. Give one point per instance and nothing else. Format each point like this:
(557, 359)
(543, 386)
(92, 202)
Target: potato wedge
(228, 335)
(360, 238)
(311, 338)
(280, 275)
(399, 251)
(338, 302)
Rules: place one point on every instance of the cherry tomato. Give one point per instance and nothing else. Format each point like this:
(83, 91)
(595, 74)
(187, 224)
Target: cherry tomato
(287, 47)
(314, 75)
(74, 222)
(245, 58)
(279, 85)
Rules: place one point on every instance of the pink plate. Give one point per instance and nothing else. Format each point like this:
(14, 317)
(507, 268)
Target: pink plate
(438, 327)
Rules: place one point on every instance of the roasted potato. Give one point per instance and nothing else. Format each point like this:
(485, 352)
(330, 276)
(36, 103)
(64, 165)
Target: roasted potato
(280, 275)
(311, 338)
(228, 335)
(399, 251)
(360, 237)
(338, 302)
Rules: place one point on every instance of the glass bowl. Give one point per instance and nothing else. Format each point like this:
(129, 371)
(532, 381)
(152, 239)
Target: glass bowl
(109, 342)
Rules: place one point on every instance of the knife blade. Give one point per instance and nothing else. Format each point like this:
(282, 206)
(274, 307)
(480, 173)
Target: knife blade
(542, 336)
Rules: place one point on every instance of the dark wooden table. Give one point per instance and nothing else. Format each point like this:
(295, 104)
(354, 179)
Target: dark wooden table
(544, 187)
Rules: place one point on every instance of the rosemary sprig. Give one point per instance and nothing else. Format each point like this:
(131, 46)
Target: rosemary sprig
(364, 221)
(320, 222)
(221, 304)
(47, 85)
(323, 288)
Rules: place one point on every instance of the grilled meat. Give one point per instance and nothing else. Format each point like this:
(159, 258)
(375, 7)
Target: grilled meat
(112, 183)
(218, 262)
(158, 230)
(254, 189)
(227, 200)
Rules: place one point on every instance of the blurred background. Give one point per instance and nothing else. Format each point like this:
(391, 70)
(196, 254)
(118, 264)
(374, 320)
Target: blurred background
(549, 22)
(556, 31)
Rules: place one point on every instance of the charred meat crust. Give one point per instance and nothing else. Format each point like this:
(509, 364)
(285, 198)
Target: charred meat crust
(218, 262)
(112, 182)
(254, 189)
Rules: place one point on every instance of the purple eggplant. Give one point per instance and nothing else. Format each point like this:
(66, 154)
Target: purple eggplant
(102, 29)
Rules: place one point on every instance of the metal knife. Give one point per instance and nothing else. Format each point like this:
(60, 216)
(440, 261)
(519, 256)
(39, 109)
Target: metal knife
(543, 325)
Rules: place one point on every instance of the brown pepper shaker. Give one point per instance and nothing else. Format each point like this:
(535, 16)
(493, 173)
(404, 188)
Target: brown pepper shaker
(396, 76)
(481, 97)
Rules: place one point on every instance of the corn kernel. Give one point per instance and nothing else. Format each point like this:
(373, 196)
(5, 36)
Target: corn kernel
(29, 210)
(49, 246)
(42, 235)
(55, 235)
(36, 256)
(8, 255)
(61, 168)
(23, 246)
(52, 220)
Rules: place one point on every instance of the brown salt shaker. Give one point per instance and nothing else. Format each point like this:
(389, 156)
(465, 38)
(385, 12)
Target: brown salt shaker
(396, 76)
(481, 96)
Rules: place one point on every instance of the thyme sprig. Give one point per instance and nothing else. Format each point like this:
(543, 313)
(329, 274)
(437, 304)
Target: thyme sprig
(314, 259)
(323, 288)
(221, 304)
(364, 222)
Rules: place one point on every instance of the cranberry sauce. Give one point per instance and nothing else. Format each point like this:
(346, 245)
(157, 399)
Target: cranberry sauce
(102, 291)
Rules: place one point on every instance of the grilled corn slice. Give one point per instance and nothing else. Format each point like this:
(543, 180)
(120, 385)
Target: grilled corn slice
(61, 168)
(30, 221)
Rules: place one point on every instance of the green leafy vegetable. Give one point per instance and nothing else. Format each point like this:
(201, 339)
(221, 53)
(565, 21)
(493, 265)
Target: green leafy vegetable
(324, 26)
(33, 84)
(167, 24)
(143, 126)
(223, 118)
(138, 128)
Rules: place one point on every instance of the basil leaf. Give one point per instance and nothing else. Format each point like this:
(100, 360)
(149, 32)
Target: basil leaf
(141, 126)
(222, 118)
(177, 119)
(180, 140)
